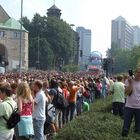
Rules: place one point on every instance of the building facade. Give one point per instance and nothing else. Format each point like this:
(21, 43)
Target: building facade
(10, 31)
(84, 45)
(136, 40)
(121, 33)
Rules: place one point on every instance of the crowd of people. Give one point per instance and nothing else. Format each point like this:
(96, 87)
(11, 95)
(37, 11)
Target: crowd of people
(35, 94)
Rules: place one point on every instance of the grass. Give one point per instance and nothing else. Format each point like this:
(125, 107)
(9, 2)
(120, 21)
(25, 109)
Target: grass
(97, 124)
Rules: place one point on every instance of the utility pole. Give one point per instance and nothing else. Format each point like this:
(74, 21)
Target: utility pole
(20, 47)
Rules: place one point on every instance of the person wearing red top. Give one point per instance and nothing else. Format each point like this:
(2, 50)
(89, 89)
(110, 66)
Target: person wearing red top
(26, 109)
(25, 106)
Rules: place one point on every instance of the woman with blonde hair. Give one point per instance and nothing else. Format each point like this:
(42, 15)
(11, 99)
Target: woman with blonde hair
(25, 106)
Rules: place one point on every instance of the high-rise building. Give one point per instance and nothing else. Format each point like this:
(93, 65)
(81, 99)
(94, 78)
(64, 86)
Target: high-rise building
(121, 33)
(136, 40)
(84, 44)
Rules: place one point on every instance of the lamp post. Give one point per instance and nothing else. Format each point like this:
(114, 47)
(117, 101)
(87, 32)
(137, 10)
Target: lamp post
(38, 46)
(20, 47)
(38, 51)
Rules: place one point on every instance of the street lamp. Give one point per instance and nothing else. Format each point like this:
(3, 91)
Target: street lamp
(38, 47)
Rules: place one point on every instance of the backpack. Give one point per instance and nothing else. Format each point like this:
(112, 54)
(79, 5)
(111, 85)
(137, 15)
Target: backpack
(48, 120)
(14, 118)
(59, 101)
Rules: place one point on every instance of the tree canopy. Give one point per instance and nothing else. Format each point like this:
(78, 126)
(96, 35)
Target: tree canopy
(52, 42)
(124, 59)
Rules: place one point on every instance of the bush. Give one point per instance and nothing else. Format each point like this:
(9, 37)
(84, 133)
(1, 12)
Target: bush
(97, 124)
(70, 68)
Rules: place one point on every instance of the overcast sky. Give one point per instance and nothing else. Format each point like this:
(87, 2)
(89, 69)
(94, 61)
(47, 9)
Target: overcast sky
(91, 14)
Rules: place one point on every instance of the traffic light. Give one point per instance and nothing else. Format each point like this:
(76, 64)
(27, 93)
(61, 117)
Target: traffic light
(81, 53)
(105, 63)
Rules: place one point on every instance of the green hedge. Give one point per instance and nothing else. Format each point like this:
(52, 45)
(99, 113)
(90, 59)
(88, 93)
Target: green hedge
(97, 124)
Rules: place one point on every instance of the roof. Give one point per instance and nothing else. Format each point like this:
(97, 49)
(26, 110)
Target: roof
(54, 7)
(120, 18)
(3, 15)
(11, 23)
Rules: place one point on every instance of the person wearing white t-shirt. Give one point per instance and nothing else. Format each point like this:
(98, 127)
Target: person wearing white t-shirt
(39, 115)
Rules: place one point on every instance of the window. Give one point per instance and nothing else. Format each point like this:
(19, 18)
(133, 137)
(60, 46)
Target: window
(16, 35)
(2, 33)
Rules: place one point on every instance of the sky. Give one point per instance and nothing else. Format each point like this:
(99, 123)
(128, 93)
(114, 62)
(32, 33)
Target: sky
(90, 14)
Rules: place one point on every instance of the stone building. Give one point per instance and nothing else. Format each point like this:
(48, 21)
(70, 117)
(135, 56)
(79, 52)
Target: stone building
(10, 31)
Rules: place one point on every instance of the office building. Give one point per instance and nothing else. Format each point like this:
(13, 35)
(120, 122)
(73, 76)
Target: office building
(136, 40)
(121, 33)
(84, 44)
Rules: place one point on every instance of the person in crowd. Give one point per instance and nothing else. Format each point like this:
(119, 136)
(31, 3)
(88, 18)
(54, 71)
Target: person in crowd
(132, 106)
(25, 105)
(125, 77)
(92, 90)
(39, 110)
(79, 102)
(45, 85)
(117, 91)
(14, 87)
(111, 82)
(99, 88)
(72, 99)
(54, 88)
(50, 118)
(66, 95)
(49, 127)
(105, 86)
(6, 110)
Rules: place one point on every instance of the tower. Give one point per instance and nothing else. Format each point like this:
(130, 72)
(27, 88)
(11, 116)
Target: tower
(54, 11)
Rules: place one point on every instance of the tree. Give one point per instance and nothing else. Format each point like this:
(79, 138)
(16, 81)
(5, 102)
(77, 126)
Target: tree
(122, 58)
(125, 59)
(60, 36)
(55, 39)
(26, 23)
(45, 54)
